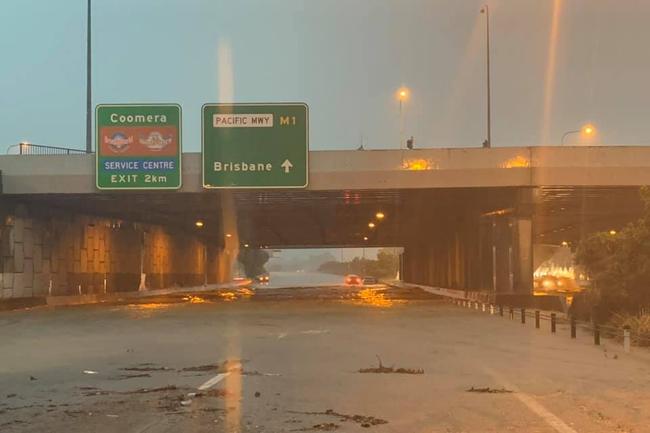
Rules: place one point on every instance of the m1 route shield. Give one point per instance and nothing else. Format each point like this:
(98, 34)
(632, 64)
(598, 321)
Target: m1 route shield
(138, 146)
(255, 145)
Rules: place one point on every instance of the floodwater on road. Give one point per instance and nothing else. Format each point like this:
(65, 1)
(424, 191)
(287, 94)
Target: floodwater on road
(356, 359)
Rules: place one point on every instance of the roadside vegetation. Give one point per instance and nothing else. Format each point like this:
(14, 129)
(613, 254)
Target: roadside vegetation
(385, 266)
(618, 266)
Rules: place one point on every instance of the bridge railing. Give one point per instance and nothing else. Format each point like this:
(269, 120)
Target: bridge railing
(39, 149)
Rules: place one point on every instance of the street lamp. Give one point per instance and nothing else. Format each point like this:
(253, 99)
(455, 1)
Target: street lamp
(371, 225)
(89, 99)
(486, 10)
(587, 131)
(403, 94)
(380, 215)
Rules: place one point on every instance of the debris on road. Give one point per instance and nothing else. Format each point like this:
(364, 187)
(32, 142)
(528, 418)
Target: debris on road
(186, 402)
(257, 394)
(32, 378)
(131, 376)
(226, 366)
(386, 370)
(213, 393)
(94, 391)
(150, 390)
(488, 390)
(146, 367)
(363, 420)
(329, 426)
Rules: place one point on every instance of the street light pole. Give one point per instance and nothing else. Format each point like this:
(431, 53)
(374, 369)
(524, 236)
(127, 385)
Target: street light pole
(402, 95)
(89, 108)
(587, 131)
(401, 125)
(566, 134)
(488, 142)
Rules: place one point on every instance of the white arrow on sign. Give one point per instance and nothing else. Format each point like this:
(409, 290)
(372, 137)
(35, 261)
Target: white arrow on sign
(287, 165)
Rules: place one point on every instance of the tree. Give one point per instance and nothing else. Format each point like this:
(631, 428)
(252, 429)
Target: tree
(619, 264)
(253, 261)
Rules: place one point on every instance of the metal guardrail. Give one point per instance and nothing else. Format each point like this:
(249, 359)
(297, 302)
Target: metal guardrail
(597, 330)
(39, 149)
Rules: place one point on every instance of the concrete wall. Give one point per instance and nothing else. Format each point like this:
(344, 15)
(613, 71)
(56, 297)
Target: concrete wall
(46, 251)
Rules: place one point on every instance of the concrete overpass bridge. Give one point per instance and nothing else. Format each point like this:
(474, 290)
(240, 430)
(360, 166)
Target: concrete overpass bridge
(467, 218)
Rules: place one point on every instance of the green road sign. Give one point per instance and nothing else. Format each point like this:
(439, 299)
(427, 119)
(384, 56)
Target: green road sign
(255, 145)
(138, 146)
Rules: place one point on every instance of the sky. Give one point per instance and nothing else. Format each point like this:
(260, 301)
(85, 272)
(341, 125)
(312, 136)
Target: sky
(556, 64)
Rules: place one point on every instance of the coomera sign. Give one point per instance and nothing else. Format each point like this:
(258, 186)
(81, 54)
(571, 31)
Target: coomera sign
(138, 146)
(255, 145)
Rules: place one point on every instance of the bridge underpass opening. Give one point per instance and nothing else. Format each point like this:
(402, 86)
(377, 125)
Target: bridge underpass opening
(483, 239)
(324, 267)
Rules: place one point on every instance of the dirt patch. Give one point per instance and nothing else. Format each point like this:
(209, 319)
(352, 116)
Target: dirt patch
(381, 369)
(488, 390)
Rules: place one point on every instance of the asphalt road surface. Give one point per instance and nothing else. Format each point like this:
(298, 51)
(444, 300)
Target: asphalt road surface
(293, 360)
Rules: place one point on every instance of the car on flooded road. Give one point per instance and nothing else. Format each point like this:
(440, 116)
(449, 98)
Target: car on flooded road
(353, 280)
(370, 280)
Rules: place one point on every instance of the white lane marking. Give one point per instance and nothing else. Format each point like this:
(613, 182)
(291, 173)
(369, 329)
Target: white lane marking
(212, 382)
(532, 404)
(315, 331)
(219, 377)
(282, 335)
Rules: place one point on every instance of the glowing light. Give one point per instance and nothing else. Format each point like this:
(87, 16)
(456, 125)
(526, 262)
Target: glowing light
(371, 225)
(245, 292)
(228, 235)
(417, 164)
(195, 299)
(365, 238)
(199, 223)
(403, 93)
(245, 245)
(588, 130)
(612, 232)
(374, 298)
(228, 296)
(565, 243)
(380, 215)
(516, 162)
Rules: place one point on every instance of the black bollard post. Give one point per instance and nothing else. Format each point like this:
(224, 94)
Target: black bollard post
(501, 310)
(573, 327)
(596, 334)
(553, 317)
(523, 315)
(537, 319)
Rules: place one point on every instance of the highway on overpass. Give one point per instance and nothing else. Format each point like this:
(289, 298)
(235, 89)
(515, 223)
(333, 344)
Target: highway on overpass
(474, 219)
